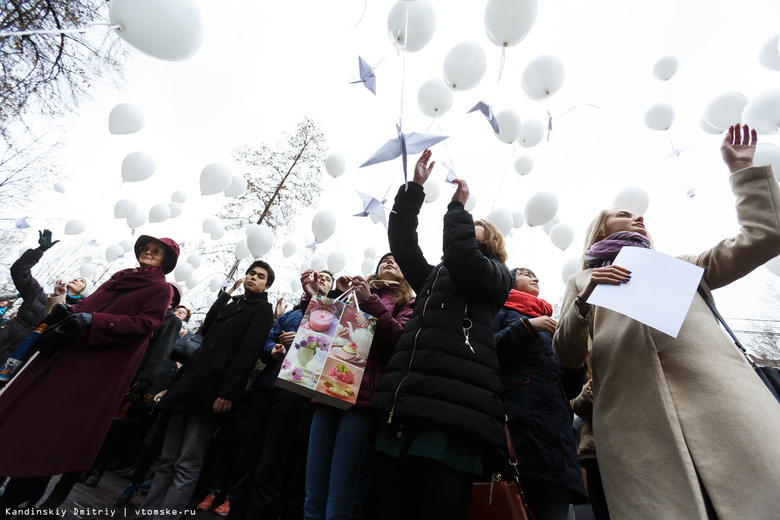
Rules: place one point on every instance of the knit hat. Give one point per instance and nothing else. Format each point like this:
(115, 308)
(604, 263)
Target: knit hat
(376, 271)
(171, 251)
(89, 287)
(178, 292)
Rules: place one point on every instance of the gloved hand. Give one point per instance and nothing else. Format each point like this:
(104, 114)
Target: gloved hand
(59, 311)
(44, 239)
(74, 322)
(140, 386)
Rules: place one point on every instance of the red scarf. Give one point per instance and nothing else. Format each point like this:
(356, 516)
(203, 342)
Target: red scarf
(528, 304)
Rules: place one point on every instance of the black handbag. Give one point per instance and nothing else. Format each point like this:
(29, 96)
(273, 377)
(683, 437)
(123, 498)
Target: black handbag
(769, 375)
(185, 347)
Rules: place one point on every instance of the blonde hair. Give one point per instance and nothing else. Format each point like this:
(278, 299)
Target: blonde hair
(403, 293)
(494, 241)
(597, 231)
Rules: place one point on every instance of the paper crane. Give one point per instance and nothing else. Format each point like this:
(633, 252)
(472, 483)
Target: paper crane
(372, 206)
(367, 76)
(21, 223)
(450, 174)
(403, 145)
(487, 112)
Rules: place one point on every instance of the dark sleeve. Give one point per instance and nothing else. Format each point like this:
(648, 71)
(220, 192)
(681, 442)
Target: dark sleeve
(273, 338)
(572, 381)
(389, 326)
(402, 235)
(31, 292)
(514, 332)
(118, 330)
(246, 357)
(211, 316)
(160, 348)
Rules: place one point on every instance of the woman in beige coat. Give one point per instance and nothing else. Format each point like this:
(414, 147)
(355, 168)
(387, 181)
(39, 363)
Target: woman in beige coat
(683, 427)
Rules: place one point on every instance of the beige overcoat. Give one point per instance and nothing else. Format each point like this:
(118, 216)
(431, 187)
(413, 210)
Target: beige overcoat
(665, 408)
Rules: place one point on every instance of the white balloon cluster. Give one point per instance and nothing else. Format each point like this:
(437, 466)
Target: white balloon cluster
(185, 271)
(215, 178)
(214, 228)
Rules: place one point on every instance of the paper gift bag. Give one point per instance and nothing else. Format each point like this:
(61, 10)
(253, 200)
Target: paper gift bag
(328, 356)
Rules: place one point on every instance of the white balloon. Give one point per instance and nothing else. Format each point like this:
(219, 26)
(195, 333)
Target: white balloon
(508, 22)
(295, 285)
(113, 252)
(524, 164)
(125, 118)
(179, 196)
(336, 262)
(634, 199)
(24, 249)
(194, 260)
(323, 225)
(432, 191)
(289, 248)
(464, 66)
(217, 233)
(373, 218)
(367, 267)
(660, 116)
(215, 283)
(305, 265)
(176, 209)
(774, 266)
(704, 125)
(518, 219)
(127, 245)
(725, 109)
(561, 236)
(59, 187)
(509, 125)
(531, 133)
(569, 268)
(182, 271)
(543, 77)
(471, 203)
(170, 30)
(665, 68)
(75, 227)
(159, 213)
(762, 113)
(191, 282)
(237, 186)
(250, 227)
(335, 165)
(260, 240)
(124, 208)
(87, 270)
(540, 208)
(211, 224)
(136, 220)
(242, 249)
(138, 166)
(550, 224)
(215, 178)
(502, 219)
(768, 55)
(411, 25)
(768, 153)
(369, 253)
(319, 263)
(434, 99)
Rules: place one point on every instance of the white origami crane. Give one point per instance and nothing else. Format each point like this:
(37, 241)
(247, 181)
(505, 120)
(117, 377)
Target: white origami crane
(403, 145)
(487, 112)
(367, 76)
(450, 174)
(372, 206)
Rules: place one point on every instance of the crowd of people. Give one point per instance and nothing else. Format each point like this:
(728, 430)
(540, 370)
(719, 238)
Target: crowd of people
(465, 354)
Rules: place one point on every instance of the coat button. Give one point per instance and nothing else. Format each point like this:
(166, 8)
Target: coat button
(110, 325)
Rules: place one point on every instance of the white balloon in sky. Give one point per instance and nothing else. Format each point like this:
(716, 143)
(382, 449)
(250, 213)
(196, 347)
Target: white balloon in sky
(569, 268)
(471, 203)
(518, 219)
(373, 218)
(289, 248)
(136, 220)
(159, 213)
(170, 30)
(305, 265)
(367, 267)
(502, 219)
(561, 236)
(762, 113)
(127, 245)
(323, 225)
(215, 178)
(176, 209)
(125, 118)
(237, 186)
(634, 199)
(319, 263)
(659, 116)
(217, 233)
(524, 164)
(87, 270)
(411, 25)
(768, 54)
(75, 227)
(194, 260)
(336, 262)
(704, 125)
(210, 224)
(260, 241)
(531, 133)
(540, 208)
(432, 191)
(137, 166)
(59, 187)
(179, 196)
(542, 77)
(434, 98)
(369, 253)
(191, 282)
(295, 285)
(665, 68)
(124, 208)
(509, 125)
(113, 252)
(774, 266)
(182, 271)
(464, 66)
(768, 153)
(335, 165)
(725, 109)
(215, 283)
(547, 226)
(507, 22)
(242, 250)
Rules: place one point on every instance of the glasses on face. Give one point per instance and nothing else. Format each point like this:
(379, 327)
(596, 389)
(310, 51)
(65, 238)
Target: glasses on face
(153, 250)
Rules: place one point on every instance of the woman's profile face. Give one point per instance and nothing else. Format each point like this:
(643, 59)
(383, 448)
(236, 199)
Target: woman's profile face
(526, 282)
(389, 270)
(624, 220)
(480, 231)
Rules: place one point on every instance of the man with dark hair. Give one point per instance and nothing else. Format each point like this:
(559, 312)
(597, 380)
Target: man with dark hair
(206, 386)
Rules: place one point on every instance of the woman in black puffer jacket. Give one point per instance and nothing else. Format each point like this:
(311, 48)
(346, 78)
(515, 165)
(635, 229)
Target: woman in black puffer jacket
(442, 416)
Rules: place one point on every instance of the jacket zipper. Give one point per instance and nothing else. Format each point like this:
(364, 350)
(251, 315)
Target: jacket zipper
(414, 347)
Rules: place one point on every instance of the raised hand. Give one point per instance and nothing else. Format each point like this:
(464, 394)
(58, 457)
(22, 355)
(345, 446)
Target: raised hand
(422, 170)
(44, 239)
(739, 147)
(462, 192)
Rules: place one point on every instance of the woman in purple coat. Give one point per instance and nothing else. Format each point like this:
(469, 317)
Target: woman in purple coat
(56, 413)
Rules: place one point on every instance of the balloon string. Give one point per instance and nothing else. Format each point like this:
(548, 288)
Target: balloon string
(4, 34)
(365, 4)
(403, 66)
(503, 178)
(500, 71)
(550, 116)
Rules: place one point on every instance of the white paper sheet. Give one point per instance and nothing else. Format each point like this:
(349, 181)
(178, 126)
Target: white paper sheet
(659, 293)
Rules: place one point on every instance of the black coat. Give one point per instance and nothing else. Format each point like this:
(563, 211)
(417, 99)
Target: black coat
(433, 375)
(13, 332)
(234, 333)
(540, 420)
(160, 348)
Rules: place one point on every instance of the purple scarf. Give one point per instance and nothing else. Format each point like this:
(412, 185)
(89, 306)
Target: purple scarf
(604, 252)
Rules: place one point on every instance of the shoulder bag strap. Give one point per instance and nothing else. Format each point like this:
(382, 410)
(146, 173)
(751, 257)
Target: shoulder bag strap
(714, 310)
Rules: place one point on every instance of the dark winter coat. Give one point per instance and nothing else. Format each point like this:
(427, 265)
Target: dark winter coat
(160, 348)
(540, 421)
(56, 413)
(287, 322)
(433, 375)
(234, 331)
